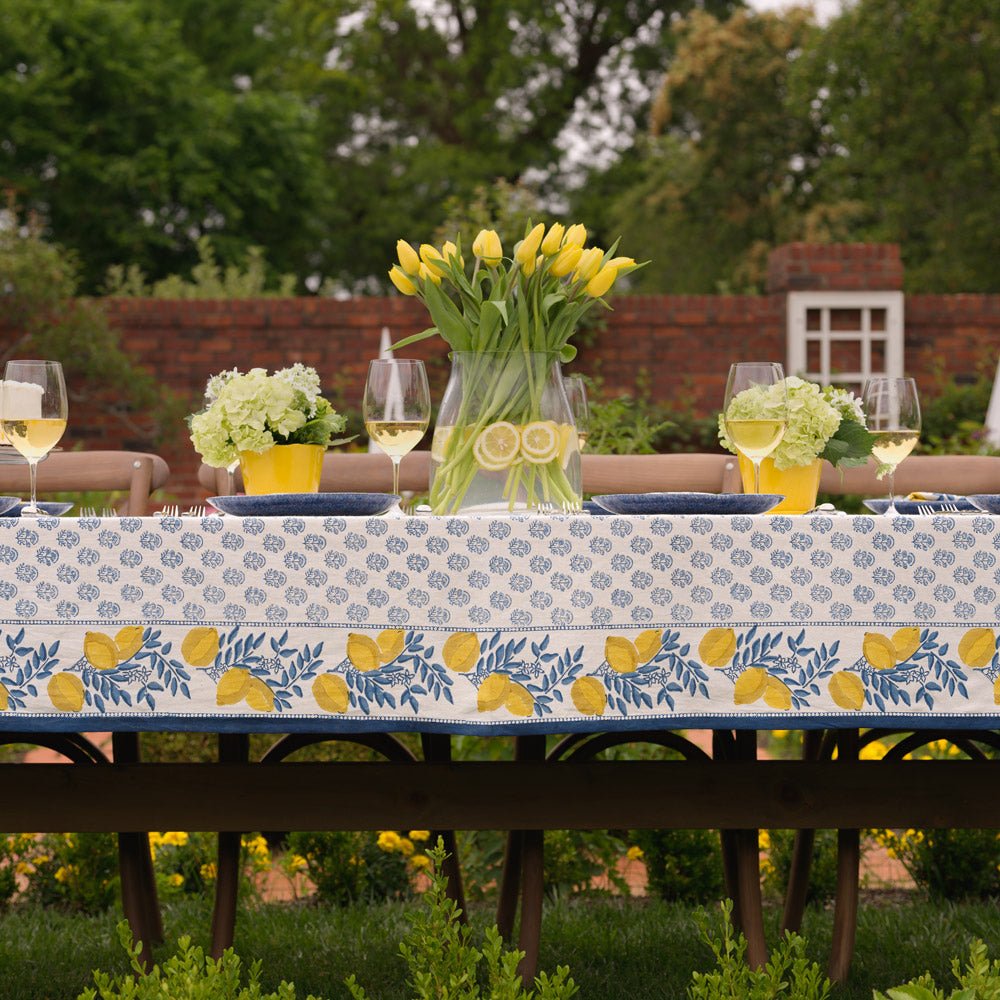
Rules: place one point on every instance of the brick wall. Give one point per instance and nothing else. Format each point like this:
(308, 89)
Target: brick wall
(682, 344)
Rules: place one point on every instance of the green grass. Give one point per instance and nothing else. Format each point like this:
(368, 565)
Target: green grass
(617, 950)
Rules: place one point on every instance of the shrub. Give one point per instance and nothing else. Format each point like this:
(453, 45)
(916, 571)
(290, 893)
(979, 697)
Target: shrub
(78, 871)
(776, 867)
(788, 974)
(188, 974)
(948, 864)
(575, 858)
(980, 980)
(445, 965)
(682, 865)
(349, 867)
(185, 863)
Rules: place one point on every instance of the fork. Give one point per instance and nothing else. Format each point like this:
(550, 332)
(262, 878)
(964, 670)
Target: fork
(109, 512)
(170, 510)
(196, 510)
(939, 508)
(88, 512)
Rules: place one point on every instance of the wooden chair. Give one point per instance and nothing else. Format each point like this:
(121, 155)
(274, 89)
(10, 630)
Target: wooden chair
(930, 473)
(136, 473)
(679, 472)
(345, 472)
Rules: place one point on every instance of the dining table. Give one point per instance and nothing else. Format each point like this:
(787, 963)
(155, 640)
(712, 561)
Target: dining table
(568, 634)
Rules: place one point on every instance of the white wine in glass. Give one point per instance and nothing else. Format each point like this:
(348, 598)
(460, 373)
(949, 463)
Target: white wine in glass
(892, 408)
(576, 393)
(33, 414)
(396, 408)
(755, 411)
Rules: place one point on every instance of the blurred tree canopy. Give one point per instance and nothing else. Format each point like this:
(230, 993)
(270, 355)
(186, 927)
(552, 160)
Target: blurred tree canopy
(324, 130)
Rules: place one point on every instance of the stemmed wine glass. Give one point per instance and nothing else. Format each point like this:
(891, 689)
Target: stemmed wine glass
(893, 411)
(755, 411)
(576, 393)
(33, 414)
(396, 408)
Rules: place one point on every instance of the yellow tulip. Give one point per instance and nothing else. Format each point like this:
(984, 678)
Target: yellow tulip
(488, 248)
(601, 282)
(553, 239)
(432, 259)
(408, 257)
(575, 235)
(429, 274)
(566, 261)
(528, 267)
(527, 249)
(620, 262)
(587, 265)
(401, 281)
(450, 252)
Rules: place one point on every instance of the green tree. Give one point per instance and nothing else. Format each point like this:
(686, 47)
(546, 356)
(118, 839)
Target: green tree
(726, 173)
(907, 93)
(129, 147)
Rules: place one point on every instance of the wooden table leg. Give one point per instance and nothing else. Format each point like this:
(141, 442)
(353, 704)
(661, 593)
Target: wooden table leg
(510, 884)
(233, 748)
(748, 901)
(437, 749)
(798, 877)
(135, 866)
(845, 908)
(532, 894)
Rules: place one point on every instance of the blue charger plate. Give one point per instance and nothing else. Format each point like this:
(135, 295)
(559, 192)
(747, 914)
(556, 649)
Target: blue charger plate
(689, 503)
(11, 507)
(306, 504)
(989, 503)
(910, 507)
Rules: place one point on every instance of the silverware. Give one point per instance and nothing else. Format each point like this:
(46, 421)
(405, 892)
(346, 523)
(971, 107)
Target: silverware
(198, 510)
(937, 508)
(88, 512)
(170, 510)
(109, 512)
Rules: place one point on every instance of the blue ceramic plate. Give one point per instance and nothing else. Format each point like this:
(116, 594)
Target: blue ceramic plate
(909, 507)
(11, 507)
(592, 507)
(988, 502)
(689, 503)
(306, 504)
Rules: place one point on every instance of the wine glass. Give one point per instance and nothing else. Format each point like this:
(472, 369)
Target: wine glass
(755, 411)
(33, 413)
(396, 408)
(576, 393)
(893, 411)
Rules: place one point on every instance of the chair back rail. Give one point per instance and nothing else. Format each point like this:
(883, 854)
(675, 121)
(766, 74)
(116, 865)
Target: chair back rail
(136, 473)
(679, 472)
(932, 473)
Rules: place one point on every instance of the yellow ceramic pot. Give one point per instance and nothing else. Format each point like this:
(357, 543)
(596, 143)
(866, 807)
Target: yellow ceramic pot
(798, 485)
(285, 468)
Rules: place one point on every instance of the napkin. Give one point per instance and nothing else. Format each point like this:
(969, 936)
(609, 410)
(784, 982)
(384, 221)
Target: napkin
(940, 497)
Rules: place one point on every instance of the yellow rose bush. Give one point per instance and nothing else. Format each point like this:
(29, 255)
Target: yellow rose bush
(511, 318)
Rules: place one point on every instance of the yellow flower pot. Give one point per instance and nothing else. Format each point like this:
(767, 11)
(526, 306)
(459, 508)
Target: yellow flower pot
(798, 485)
(285, 468)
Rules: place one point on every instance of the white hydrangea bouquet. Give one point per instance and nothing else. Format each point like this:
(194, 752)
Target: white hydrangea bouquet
(822, 423)
(253, 411)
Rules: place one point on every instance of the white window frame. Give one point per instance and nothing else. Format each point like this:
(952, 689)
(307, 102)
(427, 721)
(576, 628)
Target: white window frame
(798, 305)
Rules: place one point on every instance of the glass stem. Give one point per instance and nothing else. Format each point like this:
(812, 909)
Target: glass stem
(33, 477)
(395, 473)
(756, 476)
(891, 509)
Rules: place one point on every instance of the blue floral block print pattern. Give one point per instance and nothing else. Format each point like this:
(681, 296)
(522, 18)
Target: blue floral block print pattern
(497, 624)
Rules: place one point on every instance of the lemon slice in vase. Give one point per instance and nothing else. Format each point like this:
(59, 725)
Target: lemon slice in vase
(497, 446)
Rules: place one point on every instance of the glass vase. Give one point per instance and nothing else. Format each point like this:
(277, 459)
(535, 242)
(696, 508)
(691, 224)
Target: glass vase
(505, 440)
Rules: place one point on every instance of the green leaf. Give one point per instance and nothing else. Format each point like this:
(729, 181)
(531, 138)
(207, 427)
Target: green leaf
(567, 353)
(415, 338)
(500, 306)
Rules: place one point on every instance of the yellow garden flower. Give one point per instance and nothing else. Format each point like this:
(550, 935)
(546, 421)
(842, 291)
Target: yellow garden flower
(420, 862)
(406, 846)
(635, 853)
(176, 880)
(553, 239)
(450, 252)
(208, 871)
(527, 249)
(429, 274)
(589, 262)
(297, 863)
(388, 841)
(401, 281)
(420, 835)
(432, 259)
(600, 284)
(576, 235)
(565, 262)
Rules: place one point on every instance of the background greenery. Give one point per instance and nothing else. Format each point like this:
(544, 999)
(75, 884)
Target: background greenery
(321, 131)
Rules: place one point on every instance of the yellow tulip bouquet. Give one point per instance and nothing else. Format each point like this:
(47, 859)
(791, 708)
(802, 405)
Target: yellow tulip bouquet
(510, 320)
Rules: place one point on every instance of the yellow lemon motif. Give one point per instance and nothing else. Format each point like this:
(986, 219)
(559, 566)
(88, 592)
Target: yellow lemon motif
(129, 641)
(879, 651)
(519, 700)
(977, 647)
(905, 641)
(331, 693)
(233, 685)
(777, 694)
(718, 647)
(259, 696)
(497, 446)
(540, 441)
(201, 646)
(847, 690)
(492, 692)
(4, 698)
(589, 696)
(647, 644)
(66, 692)
(621, 654)
(750, 685)
(996, 691)
(363, 652)
(390, 643)
(461, 651)
(100, 651)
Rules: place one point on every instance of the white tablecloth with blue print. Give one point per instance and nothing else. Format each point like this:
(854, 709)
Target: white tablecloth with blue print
(498, 625)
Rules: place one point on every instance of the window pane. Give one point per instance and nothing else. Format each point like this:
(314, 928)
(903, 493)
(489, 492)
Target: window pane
(877, 319)
(845, 356)
(845, 319)
(814, 320)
